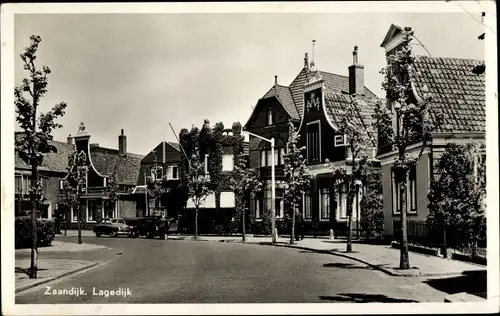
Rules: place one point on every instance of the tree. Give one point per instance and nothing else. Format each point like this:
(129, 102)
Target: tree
(411, 119)
(372, 213)
(111, 192)
(297, 176)
(358, 140)
(73, 183)
(35, 142)
(157, 183)
(457, 195)
(244, 181)
(195, 180)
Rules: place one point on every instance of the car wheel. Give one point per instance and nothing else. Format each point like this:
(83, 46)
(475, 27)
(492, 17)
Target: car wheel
(162, 236)
(115, 233)
(98, 234)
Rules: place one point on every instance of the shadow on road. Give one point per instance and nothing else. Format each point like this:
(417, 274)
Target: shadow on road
(26, 271)
(345, 266)
(472, 282)
(365, 298)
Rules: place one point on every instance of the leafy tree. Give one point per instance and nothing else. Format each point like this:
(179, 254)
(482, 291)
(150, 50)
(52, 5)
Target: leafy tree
(358, 140)
(35, 142)
(371, 204)
(111, 192)
(195, 180)
(157, 184)
(244, 181)
(457, 194)
(411, 119)
(296, 175)
(72, 186)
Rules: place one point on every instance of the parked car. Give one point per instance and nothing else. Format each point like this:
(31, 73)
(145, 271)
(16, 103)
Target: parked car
(150, 226)
(111, 226)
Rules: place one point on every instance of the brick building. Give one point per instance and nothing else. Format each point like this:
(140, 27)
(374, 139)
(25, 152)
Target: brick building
(458, 95)
(315, 102)
(101, 164)
(52, 170)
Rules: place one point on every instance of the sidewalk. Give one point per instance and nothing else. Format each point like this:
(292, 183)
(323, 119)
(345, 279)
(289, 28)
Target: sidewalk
(380, 257)
(61, 246)
(74, 233)
(48, 270)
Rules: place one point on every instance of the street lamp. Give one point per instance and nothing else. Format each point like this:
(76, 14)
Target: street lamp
(357, 184)
(273, 184)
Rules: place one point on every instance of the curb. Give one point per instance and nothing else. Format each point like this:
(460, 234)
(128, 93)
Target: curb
(29, 286)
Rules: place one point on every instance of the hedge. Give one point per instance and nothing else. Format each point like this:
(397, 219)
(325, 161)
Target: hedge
(23, 234)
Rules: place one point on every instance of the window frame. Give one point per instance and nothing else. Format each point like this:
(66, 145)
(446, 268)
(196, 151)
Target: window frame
(308, 147)
(307, 206)
(339, 141)
(224, 166)
(410, 198)
(270, 120)
(87, 211)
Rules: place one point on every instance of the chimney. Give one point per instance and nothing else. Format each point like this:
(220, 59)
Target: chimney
(69, 140)
(275, 80)
(306, 61)
(356, 75)
(122, 144)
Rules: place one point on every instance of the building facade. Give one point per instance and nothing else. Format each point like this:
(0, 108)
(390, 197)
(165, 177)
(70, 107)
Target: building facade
(458, 96)
(315, 101)
(52, 170)
(101, 164)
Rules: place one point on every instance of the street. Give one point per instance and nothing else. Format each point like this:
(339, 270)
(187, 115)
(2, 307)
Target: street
(176, 271)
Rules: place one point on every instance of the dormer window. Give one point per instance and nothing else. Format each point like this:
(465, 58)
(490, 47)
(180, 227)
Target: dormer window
(270, 116)
(339, 140)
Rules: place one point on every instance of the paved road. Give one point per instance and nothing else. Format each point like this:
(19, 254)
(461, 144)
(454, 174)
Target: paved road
(175, 271)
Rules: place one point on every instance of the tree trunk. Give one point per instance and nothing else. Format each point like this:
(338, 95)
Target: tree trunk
(79, 223)
(349, 234)
(404, 261)
(243, 228)
(292, 236)
(65, 221)
(445, 252)
(196, 222)
(34, 231)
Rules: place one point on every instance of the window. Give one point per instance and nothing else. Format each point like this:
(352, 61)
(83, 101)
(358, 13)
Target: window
(342, 203)
(276, 156)
(258, 204)
(74, 215)
(19, 183)
(324, 200)
(306, 205)
(399, 198)
(172, 172)
(227, 162)
(157, 172)
(279, 203)
(227, 199)
(339, 140)
(313, 142)
(94, 208)
(282, 156)
(269, 158)
(262, 158)
(270, 116)
(26, 184)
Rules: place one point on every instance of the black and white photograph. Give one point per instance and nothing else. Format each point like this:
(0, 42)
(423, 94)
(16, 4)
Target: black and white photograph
(314, 154)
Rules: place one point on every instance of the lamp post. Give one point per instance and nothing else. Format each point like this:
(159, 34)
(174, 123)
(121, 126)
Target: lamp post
(273, 184)
(357, 184)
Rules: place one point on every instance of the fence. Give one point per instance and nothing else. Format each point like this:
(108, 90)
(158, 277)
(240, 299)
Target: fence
(432, 235)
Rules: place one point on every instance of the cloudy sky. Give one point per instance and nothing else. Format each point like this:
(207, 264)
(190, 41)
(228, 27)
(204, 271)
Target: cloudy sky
(141, 71)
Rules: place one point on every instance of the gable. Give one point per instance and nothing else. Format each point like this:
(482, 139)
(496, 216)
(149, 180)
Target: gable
(258, 118)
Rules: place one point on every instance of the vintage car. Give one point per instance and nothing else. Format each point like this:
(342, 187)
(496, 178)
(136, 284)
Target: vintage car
(112, 226)
(151, 226)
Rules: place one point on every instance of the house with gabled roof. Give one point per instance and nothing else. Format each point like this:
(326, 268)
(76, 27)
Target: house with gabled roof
(314, 101)
(101, 164)
(162, 162)
(52, 170)
(458, 99)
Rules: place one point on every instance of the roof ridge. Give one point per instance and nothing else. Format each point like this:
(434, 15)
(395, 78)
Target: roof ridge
(453, 58)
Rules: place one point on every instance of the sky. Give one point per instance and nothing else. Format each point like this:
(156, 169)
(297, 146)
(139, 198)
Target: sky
(140, 72)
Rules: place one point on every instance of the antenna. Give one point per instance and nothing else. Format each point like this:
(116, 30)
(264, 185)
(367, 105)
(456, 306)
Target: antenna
(313, 44)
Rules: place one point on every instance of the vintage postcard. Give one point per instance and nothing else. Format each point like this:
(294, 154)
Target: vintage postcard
(249, 158)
